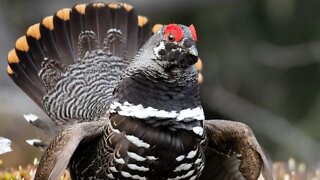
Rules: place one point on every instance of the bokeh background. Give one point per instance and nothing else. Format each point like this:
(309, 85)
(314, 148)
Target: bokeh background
(261, 67)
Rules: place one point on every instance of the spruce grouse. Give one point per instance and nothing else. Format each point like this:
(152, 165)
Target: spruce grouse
(123, 99)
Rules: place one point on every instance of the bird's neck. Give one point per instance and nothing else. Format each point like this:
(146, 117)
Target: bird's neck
(162, 93)
(158, 102)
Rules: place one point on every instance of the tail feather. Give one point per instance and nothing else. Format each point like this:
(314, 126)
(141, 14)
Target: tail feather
(120, 21)
(46, 127)
(25, 83)
(21, 72)
(61, 24)
(27, 62)
(101, 19)
(37, 143)
(144, 31)
(48, 38)
(156, 28)
(77, 25)
(132, 35)
(96, 20)
(35, 46)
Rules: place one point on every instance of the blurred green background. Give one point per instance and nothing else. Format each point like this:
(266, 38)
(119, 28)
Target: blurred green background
(261, 67)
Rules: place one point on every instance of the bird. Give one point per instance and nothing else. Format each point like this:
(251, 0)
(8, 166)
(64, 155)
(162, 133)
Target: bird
(122, 98)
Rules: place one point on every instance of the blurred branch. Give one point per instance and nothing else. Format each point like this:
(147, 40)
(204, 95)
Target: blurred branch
(285, 57)
(276, 128)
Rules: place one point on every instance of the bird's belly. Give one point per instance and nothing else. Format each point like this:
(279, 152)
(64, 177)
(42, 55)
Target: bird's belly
(119, 156)
(150, 153)
(157, 164)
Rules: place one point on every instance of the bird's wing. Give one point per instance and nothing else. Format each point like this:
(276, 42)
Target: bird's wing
(56, 157)
(233, 152)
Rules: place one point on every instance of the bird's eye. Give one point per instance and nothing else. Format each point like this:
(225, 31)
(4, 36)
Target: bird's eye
(171, 38)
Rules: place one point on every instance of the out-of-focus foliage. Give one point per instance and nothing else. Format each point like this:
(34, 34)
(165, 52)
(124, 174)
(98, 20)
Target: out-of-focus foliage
(25, 173)
(289, 170)
(261, 67)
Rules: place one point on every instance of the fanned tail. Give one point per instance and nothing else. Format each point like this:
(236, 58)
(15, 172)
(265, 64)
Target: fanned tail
(58, 45)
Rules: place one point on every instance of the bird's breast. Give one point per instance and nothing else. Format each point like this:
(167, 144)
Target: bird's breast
(142, 151)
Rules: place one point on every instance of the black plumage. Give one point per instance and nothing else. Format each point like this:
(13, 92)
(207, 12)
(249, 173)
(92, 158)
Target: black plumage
(61, 24)
(48, 38)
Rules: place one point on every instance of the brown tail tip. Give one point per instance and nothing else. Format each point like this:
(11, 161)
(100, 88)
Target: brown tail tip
(142, 20)
(156, 27)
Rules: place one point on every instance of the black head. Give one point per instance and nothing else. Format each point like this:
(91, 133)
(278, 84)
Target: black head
(175, 46)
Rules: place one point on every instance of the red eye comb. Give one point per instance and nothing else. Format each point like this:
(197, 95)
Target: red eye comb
(193, 32)
(175, 30)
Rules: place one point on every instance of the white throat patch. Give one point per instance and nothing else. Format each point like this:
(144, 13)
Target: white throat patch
(138, 111)
(158, 48)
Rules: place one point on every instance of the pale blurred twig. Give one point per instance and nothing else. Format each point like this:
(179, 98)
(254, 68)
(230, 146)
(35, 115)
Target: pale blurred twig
(285, 57)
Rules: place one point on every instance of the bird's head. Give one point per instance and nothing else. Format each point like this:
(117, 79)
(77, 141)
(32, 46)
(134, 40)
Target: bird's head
(174, 45)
